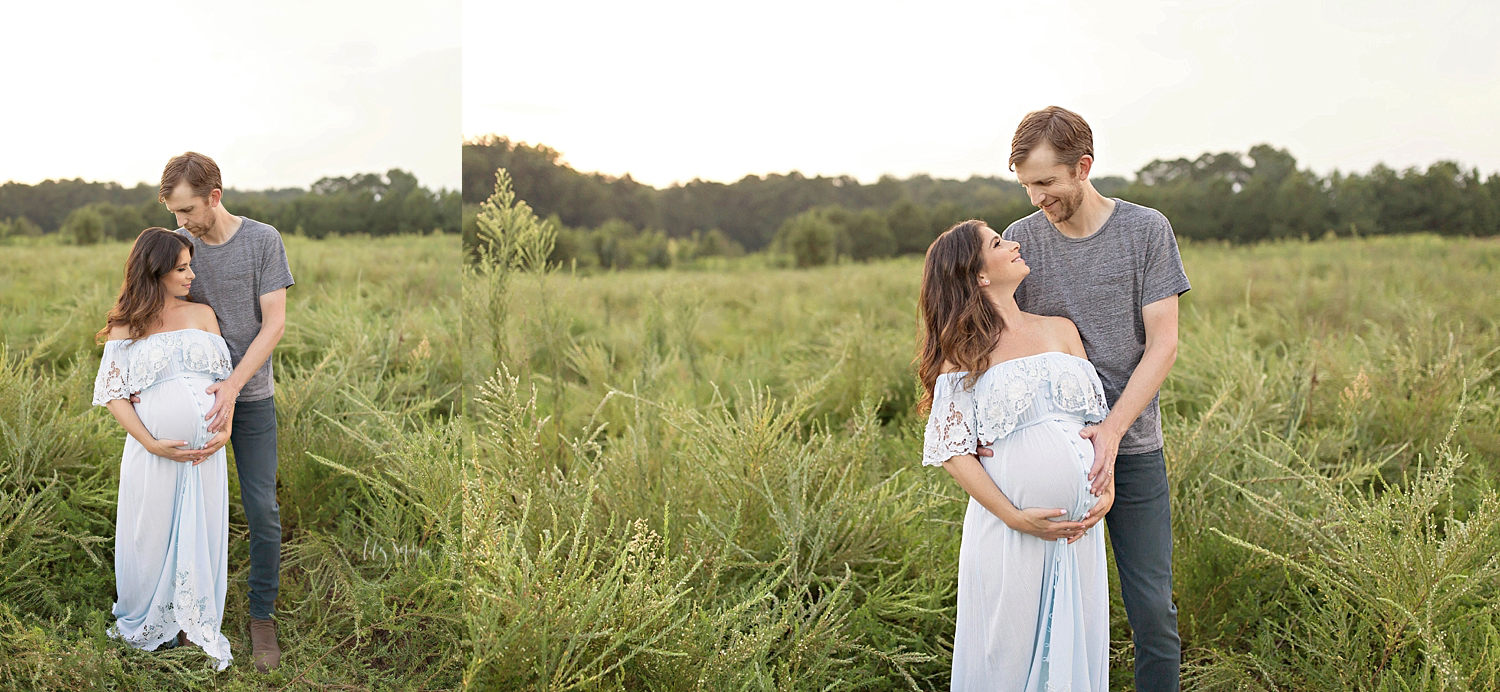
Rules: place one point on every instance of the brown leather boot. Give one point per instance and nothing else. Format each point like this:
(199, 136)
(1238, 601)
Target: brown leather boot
(265, 653)
(182, 639)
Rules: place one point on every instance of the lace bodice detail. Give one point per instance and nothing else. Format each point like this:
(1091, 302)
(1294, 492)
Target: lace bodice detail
(130, 366)
(1009, 396)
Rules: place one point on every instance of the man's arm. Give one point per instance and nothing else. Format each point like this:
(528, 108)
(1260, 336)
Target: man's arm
(1160, 319)
(272, 326)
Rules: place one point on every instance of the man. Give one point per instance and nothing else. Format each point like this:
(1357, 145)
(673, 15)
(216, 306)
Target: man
(1113, 268)
(242, 273)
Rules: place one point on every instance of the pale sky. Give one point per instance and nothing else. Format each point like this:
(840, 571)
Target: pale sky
(278, 92)
(669, 91)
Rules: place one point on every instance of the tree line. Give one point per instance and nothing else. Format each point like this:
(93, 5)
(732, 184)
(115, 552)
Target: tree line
(368, 203)
(617, 222)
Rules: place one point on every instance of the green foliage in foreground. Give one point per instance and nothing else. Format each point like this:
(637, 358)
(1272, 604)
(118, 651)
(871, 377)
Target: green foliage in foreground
(370, 477)
(706, 481)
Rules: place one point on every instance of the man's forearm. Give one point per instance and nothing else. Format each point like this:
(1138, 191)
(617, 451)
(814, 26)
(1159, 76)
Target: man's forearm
(1144, 383)
(256, 355)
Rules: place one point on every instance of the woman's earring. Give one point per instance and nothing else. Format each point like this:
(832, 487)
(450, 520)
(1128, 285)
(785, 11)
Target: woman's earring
(983, 281)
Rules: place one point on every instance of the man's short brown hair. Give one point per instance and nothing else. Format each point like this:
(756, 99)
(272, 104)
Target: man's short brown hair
(1062, 129)
(199, 171)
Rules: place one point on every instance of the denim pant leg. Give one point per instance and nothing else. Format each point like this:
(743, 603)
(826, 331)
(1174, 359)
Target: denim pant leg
(1140, 531)
(254, 441)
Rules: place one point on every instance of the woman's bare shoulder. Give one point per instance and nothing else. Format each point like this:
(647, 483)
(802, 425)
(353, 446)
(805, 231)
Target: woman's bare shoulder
(204, 317)
(119, 332)
(199, 309)
(1065, 333)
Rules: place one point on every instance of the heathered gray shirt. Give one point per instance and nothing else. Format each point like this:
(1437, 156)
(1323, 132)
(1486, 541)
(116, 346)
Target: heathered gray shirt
(231, 278)
(1101, 282)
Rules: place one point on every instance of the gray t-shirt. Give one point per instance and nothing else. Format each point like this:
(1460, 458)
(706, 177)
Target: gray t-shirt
(231, 278)
(1101, 282)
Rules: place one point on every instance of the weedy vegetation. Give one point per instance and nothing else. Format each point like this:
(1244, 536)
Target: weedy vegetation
(370, 476)
(709, 480)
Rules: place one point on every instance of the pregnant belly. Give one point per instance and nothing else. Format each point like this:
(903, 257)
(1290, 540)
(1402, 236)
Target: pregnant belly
(1045, 465)
(174, 410)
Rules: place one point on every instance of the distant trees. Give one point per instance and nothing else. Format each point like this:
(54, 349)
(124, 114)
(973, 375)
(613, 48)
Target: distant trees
(18, 227)
(49, 202)
(364, 203)
(616, 244)
(1224, 196)
(1239, 197)
(812, 238)
(84, 226)
(368, 203)
(749, 211)
(826, 235)
(868, 234)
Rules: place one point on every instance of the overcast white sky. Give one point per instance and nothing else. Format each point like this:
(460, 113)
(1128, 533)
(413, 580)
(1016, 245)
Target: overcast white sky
(669, 91)
(279, 92)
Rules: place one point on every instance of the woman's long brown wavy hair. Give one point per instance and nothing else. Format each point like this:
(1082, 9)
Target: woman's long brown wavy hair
(141, 296)
(959, 324)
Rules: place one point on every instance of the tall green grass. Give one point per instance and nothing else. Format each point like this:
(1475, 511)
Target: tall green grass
(709, 480)
(370, 469)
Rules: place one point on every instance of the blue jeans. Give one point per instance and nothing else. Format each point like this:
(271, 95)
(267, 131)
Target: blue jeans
(253, 440)
(1140, 531)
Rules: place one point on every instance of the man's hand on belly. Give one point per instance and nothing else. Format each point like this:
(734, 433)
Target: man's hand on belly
(215, 443)
(1100, 508)
(223, 411)
(1106, 439)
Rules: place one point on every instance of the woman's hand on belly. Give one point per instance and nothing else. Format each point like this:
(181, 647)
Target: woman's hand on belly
(125, 413)
(1036, 521)
(171, 449)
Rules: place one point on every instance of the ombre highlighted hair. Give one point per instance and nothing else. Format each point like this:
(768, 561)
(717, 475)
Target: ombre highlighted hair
(141, 295)
(959, 324)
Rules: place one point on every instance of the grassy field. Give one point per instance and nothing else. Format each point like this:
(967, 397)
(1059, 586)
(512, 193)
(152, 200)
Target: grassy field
(710, 480)
(370, 476)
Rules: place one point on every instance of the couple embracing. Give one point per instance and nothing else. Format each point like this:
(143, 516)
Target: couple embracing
(187, 369)
(1043, 351)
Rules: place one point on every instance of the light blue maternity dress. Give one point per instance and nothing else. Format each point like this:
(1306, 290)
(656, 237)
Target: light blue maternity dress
(172, 520)
(1033, 615)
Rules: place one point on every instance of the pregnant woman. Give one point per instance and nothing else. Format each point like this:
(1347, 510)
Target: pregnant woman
(172, 520)
(1033, 604)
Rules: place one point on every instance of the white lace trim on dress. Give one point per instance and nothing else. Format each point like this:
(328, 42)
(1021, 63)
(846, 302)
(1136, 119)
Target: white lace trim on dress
(961, 418)
(131, 366)
(188, 612)
(950, 427)
(1018, 386)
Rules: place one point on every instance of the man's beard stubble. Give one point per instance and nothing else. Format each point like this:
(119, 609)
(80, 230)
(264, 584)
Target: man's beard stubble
(1068, 206)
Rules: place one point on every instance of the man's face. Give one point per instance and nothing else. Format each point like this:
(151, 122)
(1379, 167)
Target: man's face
(194, 213)
(1054, 188)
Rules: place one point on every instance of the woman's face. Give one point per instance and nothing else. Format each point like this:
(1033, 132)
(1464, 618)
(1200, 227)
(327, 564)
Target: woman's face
(1003, 265)
(179, 279)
